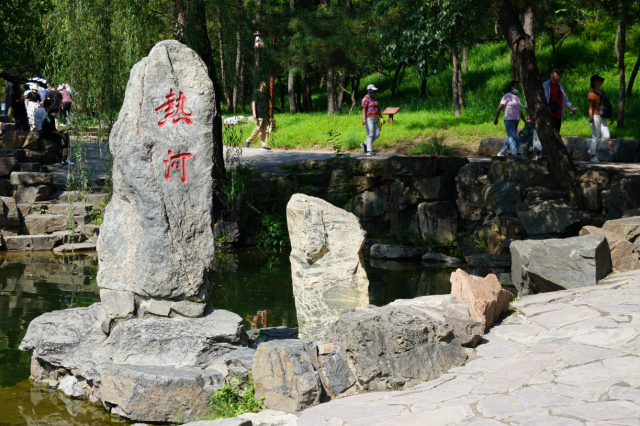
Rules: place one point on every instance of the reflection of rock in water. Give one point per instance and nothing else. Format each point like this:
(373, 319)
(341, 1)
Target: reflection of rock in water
(47, 407)
(387, 285)
(225, 262)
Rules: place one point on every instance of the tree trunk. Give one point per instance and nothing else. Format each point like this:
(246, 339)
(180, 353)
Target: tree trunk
(463, 103)
(256, 67)
(394, 82)
(512, 61)
(291, 84)
(236, 80)
(308, 102)
(242, 86)
(343, 84)
(455, 82)
(465, 59)
(622, 45)
(355, 86)
(331, 92)
(298, 92)
(225, 90)
(196, 37)
(282, 95)
(423, 82)
(632, 79)
(561, 166)
(530, 26)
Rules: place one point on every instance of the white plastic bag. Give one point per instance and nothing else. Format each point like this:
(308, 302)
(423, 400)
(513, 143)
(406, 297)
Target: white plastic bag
(537, 145)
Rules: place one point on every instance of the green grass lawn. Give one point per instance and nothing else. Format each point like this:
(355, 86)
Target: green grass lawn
(430, 118)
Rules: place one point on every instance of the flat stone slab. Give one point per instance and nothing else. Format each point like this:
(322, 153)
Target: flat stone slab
(72, 248)
(31, 178)
(566, 358)
(32, 242)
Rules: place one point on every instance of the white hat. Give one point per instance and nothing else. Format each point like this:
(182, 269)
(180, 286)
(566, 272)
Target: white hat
(371, 87)
(60, 87)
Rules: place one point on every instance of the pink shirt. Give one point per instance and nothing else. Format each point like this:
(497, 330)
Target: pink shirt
(66, 97)
(513, 107)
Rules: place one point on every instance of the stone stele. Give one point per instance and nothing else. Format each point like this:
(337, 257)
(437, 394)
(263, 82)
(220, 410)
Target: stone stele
(157, 236)
(327, 267)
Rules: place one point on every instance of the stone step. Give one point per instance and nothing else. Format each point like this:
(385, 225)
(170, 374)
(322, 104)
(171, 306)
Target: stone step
(32, 242)
(72, 248)
(77, 209)
(32, 167)
(31, 178)
(36, 224)
(62, 196)
(8, 165)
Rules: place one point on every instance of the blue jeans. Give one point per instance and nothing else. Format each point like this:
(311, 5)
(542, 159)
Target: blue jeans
(512, 135)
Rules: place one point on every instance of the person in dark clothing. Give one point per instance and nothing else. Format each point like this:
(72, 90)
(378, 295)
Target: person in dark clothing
(51, 133)
(259, 107)
(55, 96)
(19, 111)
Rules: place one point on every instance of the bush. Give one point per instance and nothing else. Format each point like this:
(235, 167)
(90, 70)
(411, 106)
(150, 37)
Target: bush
(434, 146)
(231, 401)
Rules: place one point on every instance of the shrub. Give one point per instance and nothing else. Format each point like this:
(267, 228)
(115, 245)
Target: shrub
(231, 400)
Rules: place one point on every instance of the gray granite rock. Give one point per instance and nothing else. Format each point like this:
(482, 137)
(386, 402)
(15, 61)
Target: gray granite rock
(157, 236)
(9, 213)
(393, 346)
(370, 203)
(118, 304)
(439, 219)
(70, 338)
(546, 217)
(471, 190)
(175, 341)
(153, 393)
(413, 166)
(628, 227)
(327, 267)
(439, 259)
(489, 260)
(268, 334)
(335, 374)
(520, 252)
(503, 197)
(435, 188)
(624, 196)
(387, 251)
(560, 264)
(222, 422)
(73, 387)
(285, 373)
(188, 309)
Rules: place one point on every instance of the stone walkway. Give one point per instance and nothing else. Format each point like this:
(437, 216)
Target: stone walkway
(567, 358)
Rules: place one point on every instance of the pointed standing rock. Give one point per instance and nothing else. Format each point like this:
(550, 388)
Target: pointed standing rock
(157, 237)
(327, 267)
(485, 297)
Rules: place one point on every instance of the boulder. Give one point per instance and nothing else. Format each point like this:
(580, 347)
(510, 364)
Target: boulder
(363, 183)
(194, 342)
(335, 374)
(31, 167)
(485, 297)
(628, 227)
(70, 338)
(75, 208)
(370, 203)
(236, 421)
(546, 217)
(8, 165)
(74, 247)
(32, 242)
(393, 346)
(520, 252)
(157, 236)
(401, 195)
(471, 190)
(488, 260)
(438, 219)
(9, 213)
(560, 264)
(516, 169)
(624, 150)
(490, 147)
(32, 142)
(73, 387)
(285, 373)
(387, 251)
(623, 256)
(406, 225)
(14, 140)
(374, 167)
(440, 260)
(623, 196)
(45, 223)
(339, 183)
(189, 309)
(267, 334)
(226, 232)
(32, 193)
(31, 178)
(435, 188)
(118, 304)
(503, 197)
(327, 267)
(163, 394)
(413, 166)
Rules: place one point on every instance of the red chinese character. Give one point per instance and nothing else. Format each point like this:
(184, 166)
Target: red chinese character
(173, 162)
(174, 106)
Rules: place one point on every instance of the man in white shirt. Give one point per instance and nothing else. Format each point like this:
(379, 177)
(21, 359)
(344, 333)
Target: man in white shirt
(40, 114)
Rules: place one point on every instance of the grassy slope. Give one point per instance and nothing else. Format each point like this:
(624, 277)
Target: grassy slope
(423, 119)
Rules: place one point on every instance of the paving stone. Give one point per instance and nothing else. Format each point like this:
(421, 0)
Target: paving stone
(500, 347)
(537, 395)
(580, 393)
(505, 406)
(629, 394)
(486, 422)
(557, 319)
(455, 388)
(515, 374)
(607, 410)
(583, 354)
(543, 421)
(604, 338)
(439, 417)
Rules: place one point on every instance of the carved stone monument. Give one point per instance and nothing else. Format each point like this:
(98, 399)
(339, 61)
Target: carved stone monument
(327, 267)
(152, 350)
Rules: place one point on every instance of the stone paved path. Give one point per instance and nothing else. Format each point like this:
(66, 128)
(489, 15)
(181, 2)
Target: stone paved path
(567, 358)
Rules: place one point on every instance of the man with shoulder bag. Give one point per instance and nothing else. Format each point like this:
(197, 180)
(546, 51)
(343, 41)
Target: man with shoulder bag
(600, 109)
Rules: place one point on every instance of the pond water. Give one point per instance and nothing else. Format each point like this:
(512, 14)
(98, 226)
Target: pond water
(254, 284)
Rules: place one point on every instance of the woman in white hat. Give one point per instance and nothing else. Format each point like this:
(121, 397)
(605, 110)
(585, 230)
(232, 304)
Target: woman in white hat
(371, 112)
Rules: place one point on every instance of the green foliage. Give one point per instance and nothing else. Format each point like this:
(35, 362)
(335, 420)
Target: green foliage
(436, 145)
(231, 400)
(271, 229)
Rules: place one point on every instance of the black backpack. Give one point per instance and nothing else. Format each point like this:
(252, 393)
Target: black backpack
(606, 109)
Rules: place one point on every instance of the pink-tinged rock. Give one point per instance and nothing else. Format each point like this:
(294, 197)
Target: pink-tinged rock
(623, 255)
(485, 297)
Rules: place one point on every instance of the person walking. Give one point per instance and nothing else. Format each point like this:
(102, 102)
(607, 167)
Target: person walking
(19, 110)
(66, 103)
(510, 102)
(261, 117)
(599, 110)
(7, 98)
(41, 114)
(371, 113)
(32, 107)
(557, 100)
(51, 133)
